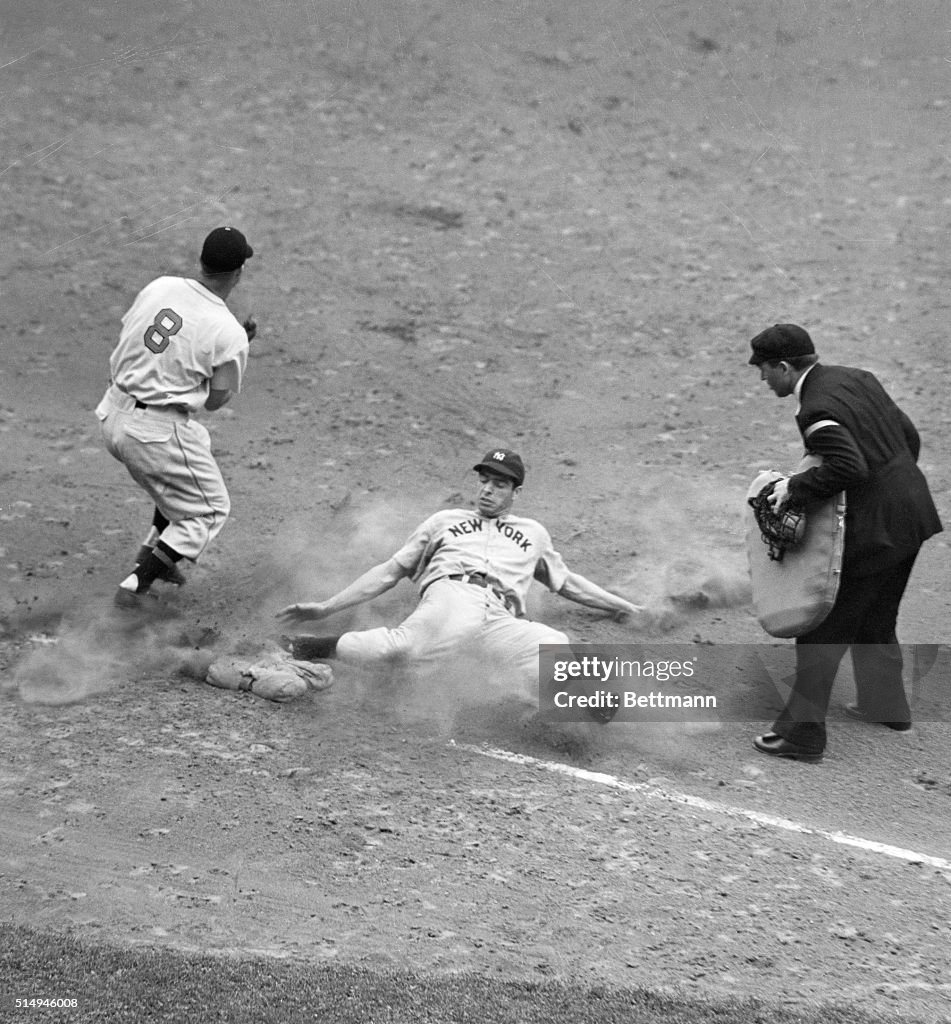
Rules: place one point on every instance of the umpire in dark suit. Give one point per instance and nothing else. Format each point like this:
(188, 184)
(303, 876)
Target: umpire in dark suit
(869, 449)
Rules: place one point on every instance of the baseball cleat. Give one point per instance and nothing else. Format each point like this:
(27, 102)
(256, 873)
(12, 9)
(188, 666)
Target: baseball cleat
(126, 599)
(310, 648)
(602, 715)
(129, 600)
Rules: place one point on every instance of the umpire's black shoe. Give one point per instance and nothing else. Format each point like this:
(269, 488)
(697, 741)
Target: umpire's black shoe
(854, 711)
(773, 744)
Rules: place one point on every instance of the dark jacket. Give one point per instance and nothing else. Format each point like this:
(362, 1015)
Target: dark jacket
(869, 449)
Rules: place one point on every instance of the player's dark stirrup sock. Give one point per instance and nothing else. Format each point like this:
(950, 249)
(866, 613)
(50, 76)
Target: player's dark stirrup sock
(314, 648)
(159, 522)
(158, 564)
(144, 553)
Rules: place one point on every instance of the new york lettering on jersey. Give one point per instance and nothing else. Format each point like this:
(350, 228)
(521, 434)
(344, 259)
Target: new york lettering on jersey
(476, 525)
(511, 533)
(468, 527)
(511, 550)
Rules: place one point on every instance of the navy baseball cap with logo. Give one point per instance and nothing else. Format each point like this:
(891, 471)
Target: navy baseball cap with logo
(781, 341)
(503, 462)
(225, 249)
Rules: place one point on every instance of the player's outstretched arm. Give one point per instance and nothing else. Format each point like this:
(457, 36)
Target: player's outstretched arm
(371, 584)
(581, 590)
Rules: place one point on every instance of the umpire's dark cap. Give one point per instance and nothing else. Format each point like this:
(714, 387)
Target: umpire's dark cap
(503, 462)
(225, 249)
(781, 341)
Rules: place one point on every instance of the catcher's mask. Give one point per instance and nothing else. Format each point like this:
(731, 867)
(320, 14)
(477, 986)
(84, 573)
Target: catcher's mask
(780, 531)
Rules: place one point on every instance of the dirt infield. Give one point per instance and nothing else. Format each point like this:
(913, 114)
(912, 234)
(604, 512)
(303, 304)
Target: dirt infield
(548, 225)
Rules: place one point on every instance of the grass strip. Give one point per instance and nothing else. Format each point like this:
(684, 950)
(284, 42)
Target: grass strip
(148, 985)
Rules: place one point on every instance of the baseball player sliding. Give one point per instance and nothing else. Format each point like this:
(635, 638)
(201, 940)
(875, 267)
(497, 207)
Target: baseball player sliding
(474, 570)
(180, 350)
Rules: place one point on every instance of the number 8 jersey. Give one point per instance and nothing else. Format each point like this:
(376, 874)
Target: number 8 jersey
(178, 340)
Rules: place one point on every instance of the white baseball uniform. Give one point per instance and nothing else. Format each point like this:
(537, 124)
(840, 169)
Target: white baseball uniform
(178, 341)
(474, 575)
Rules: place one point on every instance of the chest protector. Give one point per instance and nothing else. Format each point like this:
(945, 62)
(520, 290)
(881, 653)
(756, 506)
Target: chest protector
(794, 593)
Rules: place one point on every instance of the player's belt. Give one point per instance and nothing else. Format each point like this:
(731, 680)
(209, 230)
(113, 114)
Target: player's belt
(480, 579)
(178, 410)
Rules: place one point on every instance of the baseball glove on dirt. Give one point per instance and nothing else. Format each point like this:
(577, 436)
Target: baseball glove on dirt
(780, 530)
(274, 677)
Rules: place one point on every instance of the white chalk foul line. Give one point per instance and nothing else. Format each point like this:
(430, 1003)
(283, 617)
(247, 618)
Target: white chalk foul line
(655, 793)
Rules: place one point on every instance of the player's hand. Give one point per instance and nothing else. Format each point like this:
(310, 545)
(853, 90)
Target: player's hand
(780, 495)
(251, 328)
(305, 612)
(627, 611)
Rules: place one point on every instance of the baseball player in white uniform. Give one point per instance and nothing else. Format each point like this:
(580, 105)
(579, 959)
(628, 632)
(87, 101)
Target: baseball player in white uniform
(180, 350)
(474, 570)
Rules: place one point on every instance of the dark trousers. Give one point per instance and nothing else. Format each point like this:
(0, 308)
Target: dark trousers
(863, 618)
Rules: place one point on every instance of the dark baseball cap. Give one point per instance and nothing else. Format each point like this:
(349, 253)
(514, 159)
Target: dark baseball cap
(503, 462)
(781, 341)
(225, 249)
